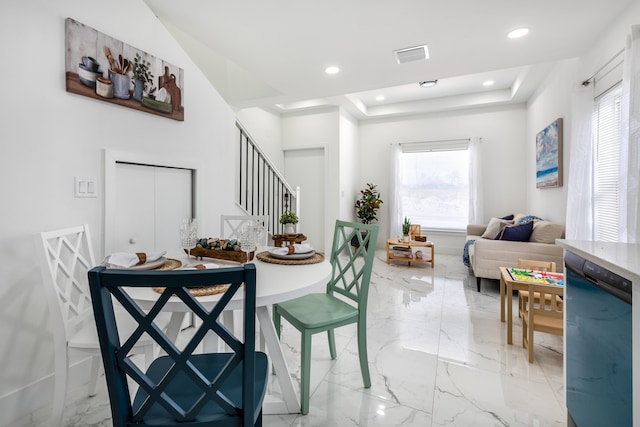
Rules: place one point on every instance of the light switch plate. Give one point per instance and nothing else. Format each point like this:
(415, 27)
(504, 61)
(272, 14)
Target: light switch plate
(84, 187)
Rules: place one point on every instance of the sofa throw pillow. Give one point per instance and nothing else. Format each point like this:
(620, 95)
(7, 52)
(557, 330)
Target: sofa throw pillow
(494, 227)
(528, 218)
(546, 232)
(517, 217)
(508, 217)
(516, 232)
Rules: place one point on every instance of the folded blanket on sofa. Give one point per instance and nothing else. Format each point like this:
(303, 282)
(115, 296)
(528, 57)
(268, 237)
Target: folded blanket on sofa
(465, 252)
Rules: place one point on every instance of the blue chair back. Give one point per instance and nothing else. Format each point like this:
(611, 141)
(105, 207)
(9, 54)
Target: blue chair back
(181, 388)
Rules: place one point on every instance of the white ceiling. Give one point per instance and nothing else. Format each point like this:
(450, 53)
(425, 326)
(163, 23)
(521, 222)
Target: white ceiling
(273, 53)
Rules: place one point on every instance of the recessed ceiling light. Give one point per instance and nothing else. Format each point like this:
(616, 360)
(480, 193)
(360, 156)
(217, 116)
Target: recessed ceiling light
(517, 33)
(332, 70)
(428, 83)
(379, 98)
(488, 83)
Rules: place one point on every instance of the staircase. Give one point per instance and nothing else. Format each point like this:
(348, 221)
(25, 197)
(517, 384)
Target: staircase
(261, 188)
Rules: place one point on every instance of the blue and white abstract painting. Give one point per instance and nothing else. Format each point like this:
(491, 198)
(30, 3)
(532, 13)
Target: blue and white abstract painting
(549, 156)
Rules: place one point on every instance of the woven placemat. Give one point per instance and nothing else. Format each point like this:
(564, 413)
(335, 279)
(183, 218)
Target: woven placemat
(202, 292)
(172, 264)
(266, 257)
(169, 264)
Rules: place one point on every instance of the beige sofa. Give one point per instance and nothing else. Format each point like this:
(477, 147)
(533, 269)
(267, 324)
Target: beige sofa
(486, 254)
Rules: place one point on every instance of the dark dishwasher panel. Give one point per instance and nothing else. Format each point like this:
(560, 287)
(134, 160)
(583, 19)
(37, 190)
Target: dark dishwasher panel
(598, 345)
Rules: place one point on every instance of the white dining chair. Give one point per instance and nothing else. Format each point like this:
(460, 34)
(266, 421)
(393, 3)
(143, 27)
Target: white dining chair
(230, 226)
(66, 258)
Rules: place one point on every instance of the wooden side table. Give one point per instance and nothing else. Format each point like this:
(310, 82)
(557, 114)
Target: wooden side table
(289, 239)
(410, 244)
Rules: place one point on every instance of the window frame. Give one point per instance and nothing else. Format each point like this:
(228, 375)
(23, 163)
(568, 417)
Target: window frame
(430, 147)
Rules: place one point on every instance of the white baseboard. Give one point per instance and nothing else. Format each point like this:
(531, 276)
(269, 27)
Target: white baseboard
(37, 395)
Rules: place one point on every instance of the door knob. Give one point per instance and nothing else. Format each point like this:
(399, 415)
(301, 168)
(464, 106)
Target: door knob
(133, 241)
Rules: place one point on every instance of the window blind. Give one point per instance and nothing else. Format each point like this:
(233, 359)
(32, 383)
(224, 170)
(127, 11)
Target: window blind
(445, 145)
(607, 119)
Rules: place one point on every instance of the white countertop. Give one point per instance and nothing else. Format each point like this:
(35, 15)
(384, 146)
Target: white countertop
(620, 258)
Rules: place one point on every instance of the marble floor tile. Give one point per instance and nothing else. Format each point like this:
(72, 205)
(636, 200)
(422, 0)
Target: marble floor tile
(438, 356)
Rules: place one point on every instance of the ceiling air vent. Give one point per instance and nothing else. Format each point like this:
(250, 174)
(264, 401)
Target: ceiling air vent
(416, 53)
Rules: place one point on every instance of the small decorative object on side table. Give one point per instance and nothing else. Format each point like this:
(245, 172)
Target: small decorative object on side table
(406, 230)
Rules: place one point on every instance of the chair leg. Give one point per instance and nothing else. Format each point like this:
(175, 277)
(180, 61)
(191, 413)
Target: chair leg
(527, 328)
(276, 320)
(305, 372)
(478, 280)
(332, 343)
(149, 354)
(93, 379)
(362, 354)
(227, 319)
(530, 341)
(60, 388)
(520, 303)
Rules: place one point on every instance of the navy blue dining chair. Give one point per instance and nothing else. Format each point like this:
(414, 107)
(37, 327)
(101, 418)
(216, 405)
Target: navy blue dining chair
(180, 388)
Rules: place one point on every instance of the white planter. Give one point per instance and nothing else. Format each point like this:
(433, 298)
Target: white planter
(289, 228)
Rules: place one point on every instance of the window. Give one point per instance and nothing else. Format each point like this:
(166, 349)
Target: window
(606, 184)
(433, 187)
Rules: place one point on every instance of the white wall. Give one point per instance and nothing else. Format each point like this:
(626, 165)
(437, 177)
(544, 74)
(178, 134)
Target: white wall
(503, 149)
(264, 128)
(49, 136)
(349, 167)
(553, 100)
(549, 104)
(318, 129)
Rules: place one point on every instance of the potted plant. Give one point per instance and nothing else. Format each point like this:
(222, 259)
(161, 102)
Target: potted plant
(289, 219)
(367, 208)
(368, 204)
(406, 229)
(142, 76)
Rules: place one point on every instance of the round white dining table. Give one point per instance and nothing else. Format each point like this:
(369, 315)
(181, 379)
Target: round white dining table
(274, 283)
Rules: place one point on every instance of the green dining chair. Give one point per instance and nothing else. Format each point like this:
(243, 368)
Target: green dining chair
(343, 303)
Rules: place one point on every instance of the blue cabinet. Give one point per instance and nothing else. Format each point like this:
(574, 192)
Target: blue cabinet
(598, 345)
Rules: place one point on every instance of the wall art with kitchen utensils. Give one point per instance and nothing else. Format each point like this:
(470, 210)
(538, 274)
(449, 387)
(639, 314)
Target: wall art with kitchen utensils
(107, 69)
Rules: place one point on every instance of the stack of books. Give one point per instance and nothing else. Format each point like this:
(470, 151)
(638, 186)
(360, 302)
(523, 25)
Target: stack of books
(402, 251)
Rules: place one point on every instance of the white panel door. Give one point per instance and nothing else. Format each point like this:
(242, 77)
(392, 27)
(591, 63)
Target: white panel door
(135, 208)
(150, 204)
(305, 169)
(174, 202)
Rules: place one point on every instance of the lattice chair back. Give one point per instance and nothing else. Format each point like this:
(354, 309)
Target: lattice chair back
(68, 256)
(181, 388)
(230, 226)
(352, 265)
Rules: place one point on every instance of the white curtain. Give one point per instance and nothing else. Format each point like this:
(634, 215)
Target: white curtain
(630, 170)
(476, 206)
(395, 215)
(579, 221)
